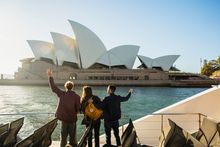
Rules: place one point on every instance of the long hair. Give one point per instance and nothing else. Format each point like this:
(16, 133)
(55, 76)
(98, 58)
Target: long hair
(86, 93)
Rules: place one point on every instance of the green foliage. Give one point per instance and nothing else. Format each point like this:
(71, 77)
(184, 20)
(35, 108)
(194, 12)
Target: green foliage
(210, 66)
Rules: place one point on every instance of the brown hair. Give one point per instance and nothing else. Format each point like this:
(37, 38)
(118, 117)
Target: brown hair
(68, 85)
(112, 87)
(87, 92)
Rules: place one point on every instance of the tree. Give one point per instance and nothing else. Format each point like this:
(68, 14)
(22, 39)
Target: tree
(206, 69)
(217, 64)
(210, 66)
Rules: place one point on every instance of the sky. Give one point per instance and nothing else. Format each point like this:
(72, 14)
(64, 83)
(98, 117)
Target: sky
(189, 28)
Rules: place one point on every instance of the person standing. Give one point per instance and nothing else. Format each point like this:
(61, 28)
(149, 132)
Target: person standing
(87, 97)
(112, 113)
(67, 108)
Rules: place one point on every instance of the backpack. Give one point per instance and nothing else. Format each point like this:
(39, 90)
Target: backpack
(92, 112)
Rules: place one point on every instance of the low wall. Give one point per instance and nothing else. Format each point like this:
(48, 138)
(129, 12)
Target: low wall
(165, 83)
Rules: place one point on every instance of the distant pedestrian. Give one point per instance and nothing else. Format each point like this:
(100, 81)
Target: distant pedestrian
(67, 109)
(87, 96)
(112, 113)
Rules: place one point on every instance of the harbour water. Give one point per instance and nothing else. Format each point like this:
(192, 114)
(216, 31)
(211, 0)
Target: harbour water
(35, 103)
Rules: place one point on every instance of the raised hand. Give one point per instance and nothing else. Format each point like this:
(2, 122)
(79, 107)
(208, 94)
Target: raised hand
(130, 90)
(49, 72)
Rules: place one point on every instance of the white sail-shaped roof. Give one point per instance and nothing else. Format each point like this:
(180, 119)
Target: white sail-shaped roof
(42, 49)
(126, 54)
(109, 59)
(65, 48)
(104, 59)
(146, 61)
(166, 62)
(86, 50)
(120, 55)
(89, 45)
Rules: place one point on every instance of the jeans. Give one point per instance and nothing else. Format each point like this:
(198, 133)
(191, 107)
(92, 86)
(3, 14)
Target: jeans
(68, 129)
(112, 125)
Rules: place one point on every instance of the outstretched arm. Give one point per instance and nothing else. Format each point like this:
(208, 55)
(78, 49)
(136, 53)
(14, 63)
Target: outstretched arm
(130, 91)
(54, 88)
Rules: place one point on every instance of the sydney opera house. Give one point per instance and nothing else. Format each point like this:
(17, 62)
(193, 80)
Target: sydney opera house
(85, 59)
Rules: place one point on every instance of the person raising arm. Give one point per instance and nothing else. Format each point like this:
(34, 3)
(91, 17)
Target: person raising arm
(67, 108)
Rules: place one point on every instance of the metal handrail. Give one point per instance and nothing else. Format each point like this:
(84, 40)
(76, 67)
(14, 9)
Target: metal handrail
(163, 114)
(161, 121)
(178, 114)
(32, 113)
(26, 113)
(200, 115)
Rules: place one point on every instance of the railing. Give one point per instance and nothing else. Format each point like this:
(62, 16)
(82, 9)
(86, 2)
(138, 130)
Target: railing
(34, 120)
(152, 124)
(25, 113)
(200, 116)
(149, 128)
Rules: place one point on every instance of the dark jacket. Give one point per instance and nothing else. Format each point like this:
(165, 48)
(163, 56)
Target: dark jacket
(68, 103)
(112, 106)
(96, 101)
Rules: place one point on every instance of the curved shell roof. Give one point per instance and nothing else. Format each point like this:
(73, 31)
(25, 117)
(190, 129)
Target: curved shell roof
(42, 49)
(65, 48)
(146, 61)
(120, 55)
(89, 45)
(165, 62)
(109, 59)
(126, 54)
(87, 49)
